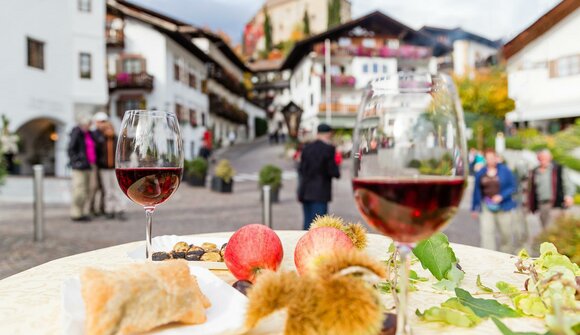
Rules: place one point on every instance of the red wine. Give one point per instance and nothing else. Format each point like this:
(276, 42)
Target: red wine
(149, 186)
(408, 210)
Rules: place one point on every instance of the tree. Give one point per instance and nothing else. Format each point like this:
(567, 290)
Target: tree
(267, 31)
(334, 13)
(485, 93)
(485, 100)
(306, 23)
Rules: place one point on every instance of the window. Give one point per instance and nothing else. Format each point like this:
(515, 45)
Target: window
(375, 68)
(385, 68)
(84, 6)
(368, 43)
(344, 41)
(193, 117)
(393, 43)
(130, 102)
(203, 122)
(365, 68)
(176, 71)
(565, 66)
(311, 99)
(133, 65)
(179, 112)
(85, 65)
(192, 81)
(35, 53)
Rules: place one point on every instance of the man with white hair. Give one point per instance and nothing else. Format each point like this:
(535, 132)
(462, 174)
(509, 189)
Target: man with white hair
(550, 188)
(83, 159)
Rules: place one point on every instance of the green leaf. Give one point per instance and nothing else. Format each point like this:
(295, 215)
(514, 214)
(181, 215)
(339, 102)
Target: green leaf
(455, 317)
(506, 331)
(507, 288)
(485, 307)
(413, 276)
(436, 255)
(482, 287)
(523, 254)
(452, 279)
(531, 305)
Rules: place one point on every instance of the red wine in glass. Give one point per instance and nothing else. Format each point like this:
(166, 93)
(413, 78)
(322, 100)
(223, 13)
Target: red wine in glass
(149, 186)
(408, 209)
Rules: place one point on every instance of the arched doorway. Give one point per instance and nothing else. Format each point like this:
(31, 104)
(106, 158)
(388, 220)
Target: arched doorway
(38, 138)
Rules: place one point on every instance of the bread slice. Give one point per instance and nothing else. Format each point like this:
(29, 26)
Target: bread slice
(140, 297)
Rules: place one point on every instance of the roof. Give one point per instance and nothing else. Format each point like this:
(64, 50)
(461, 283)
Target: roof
(170, 24)
(457, 34)
(265, 65)
(540, 27)
(375, 21)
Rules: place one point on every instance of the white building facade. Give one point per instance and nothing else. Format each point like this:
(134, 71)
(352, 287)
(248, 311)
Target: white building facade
(149, 69)
(52, 73)
(358, 54)
(544, 71)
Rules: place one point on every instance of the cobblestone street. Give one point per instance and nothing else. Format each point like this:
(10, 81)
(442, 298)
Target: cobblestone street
(189, 211)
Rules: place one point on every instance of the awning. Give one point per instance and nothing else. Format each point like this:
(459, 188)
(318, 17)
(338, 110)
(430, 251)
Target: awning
(545, 112)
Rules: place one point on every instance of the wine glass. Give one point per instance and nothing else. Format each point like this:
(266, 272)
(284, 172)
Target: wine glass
(409, 162)
(149, 161)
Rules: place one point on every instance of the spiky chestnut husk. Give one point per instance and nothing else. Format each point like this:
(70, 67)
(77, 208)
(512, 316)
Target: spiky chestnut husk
(330, 305)
(355, 231)
(341, 260)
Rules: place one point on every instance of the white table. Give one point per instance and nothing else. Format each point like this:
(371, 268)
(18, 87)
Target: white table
(30, 301)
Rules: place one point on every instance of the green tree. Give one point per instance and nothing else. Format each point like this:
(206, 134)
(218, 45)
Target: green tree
(306, 23)
(267, 31)
(334, 13)
(485, 93)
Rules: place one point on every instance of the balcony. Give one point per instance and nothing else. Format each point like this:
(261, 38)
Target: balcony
(124, 80)
(340, 80)
(404, 51)
(222, 108)
(227, 80)
(115, 38)
(339, 108)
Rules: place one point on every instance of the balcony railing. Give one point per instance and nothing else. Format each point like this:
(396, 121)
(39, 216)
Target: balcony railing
(221, 107)
(126, 80)
(340, 80)
(404, 51)
(227, 80)
(338, 108)
(115, 38)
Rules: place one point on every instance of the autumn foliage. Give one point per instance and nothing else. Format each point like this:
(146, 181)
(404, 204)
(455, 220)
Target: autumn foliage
(485, 91)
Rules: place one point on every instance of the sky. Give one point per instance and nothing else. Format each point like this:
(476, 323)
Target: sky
(493, 19)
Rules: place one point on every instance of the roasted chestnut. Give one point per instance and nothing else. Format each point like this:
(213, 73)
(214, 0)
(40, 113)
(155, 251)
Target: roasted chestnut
(178, 254)
(180, 247)
(193, 256)
(208, 246)
(223, 249)
(211, 257)
(160, 256)
(242, 286)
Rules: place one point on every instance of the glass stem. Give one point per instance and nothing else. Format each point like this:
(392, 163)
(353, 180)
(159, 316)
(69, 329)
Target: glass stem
(148, 225)
(403, 325)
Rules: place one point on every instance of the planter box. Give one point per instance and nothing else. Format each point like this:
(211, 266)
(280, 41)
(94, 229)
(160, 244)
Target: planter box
(274, 195)
(196, 181)
(218, 185)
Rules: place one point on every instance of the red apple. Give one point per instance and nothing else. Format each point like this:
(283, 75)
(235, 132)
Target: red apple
(251, 249)
(315, 244)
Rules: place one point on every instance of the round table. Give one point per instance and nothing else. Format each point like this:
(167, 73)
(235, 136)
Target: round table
(30, 301)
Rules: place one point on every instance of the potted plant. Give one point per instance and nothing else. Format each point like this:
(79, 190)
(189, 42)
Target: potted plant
(271, 175)
(222, 180)
(196, 172)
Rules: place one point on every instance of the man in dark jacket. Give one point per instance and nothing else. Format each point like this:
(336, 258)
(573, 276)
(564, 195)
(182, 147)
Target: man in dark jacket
(550, 188)
(83, 158)
(316, 170)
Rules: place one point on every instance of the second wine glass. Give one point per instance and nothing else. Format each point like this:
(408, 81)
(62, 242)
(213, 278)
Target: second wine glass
(409, 163)
(149, 161)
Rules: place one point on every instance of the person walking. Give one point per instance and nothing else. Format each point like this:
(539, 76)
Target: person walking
(316, 169)
(492, 196)
(106, 147)
(83, 158)
(550, 189)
